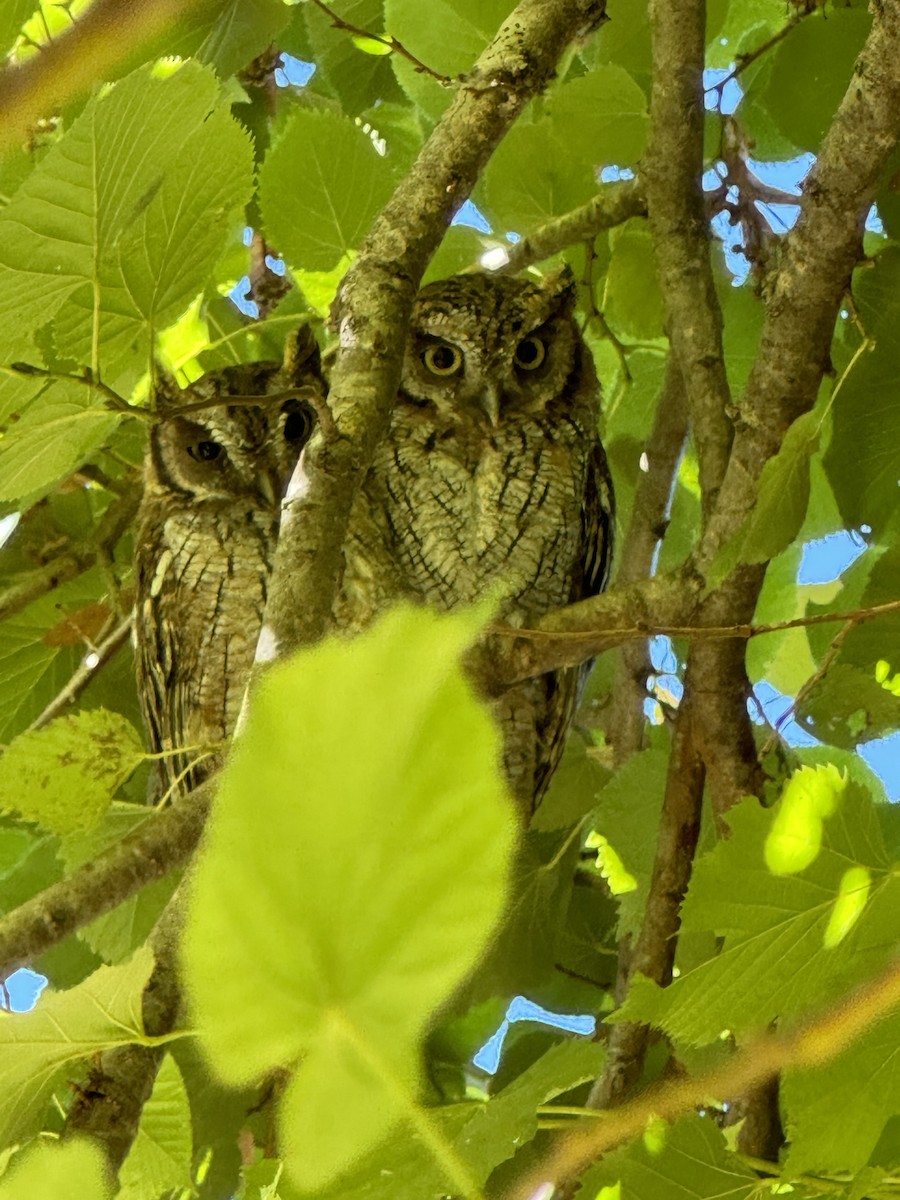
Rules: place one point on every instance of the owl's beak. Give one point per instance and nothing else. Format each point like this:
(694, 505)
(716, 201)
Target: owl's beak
(270, 489)
(489, 403)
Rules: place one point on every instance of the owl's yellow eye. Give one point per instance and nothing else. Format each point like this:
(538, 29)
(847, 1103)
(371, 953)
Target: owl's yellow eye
(204, 451)
(530, 353)
(442, 359)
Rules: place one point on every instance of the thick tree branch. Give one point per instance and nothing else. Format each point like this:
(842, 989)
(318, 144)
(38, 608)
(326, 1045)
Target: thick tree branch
(816, 1042)
(103, 35)
(377, 294)
(165, 842)
(614, 204)
(818, 256)
(677, 218)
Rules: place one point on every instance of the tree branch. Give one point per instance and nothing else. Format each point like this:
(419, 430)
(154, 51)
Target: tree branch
(102, 36)
(376, 297)
(390, 42)
(654, 951)
(165, 842)
(614, 204)
(816, 1042)
(677, 218)
(818, 256)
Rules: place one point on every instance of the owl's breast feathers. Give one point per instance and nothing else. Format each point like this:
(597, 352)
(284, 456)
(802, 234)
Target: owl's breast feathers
(466, 508)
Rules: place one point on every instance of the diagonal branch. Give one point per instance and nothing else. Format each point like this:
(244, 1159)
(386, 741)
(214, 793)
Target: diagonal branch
(613, 204)
(163, 843)
(376, 297)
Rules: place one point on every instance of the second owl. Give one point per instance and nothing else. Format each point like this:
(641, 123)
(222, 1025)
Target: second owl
(492, 476)
(216, 468)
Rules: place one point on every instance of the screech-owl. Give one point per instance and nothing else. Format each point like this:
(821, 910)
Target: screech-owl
(492, 473)
(206, 534)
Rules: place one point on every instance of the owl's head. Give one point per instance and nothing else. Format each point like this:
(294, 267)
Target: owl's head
(495, 347)
(204, 448)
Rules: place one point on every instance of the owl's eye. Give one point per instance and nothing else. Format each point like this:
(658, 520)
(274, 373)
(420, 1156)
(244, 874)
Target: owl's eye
(442, 359)
(530, 353)
(298, 426)
(204, 451)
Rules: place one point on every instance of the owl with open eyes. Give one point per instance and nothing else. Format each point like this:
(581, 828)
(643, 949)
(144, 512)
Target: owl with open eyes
(492, 476)
(216, 467)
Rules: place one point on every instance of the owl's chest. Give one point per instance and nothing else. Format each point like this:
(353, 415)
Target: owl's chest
(469, 510)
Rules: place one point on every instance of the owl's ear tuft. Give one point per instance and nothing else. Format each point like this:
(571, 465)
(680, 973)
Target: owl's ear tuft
(560, 288)
(167, 395)
(301, 353)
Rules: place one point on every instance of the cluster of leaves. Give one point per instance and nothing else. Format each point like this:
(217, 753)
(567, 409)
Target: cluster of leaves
(350, 885)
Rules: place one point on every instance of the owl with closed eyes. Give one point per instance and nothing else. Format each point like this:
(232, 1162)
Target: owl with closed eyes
(492, 476)
(219, 457)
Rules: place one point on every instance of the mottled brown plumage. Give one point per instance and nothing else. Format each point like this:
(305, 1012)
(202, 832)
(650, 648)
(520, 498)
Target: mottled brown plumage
(207, 528)
(492, 476)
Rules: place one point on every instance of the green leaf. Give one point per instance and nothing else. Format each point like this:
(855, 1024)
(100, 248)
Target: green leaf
(773, 961)
(64, 776)
(34, 664)
(13, 15)
(74, 1167)
(357, 82)
(604, 114)
(59, 232)
(423, 30)
(370, 45)
(483, 1134)
(117, 934)
(811, 70)
(849, 706)
(632, 300)
(783, 492)
(160, 1156)
(320, 187)
(531, 177)
(861, 460)
(836, 1113)
(102, 1012)
(627, 808)
(60, 430)
(688, 1161)
(377, 934)
(233, 32)
(172, 249)
(810, 796)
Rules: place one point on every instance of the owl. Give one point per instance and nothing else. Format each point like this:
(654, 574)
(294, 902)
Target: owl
(492, 476)
(216, 467)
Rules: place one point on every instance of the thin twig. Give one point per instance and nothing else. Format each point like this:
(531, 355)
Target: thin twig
(99, 656)
(389, 42)
(695, 632)
(87, 379)
(815, 1043)
(742, 61)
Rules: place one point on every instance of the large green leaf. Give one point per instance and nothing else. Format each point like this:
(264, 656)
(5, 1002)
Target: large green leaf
(605, 117)
(358, 942)
(75, 1167)
(127, 168)
(103, 1011)
(13, 15)
(774, 961)
(321, 184)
